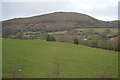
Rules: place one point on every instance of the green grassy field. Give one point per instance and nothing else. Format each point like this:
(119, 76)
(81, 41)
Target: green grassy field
(98, 29)
(42, 59)
(59, 32)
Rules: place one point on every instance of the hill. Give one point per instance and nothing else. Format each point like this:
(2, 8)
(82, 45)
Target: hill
(54, 22)
(42, 59)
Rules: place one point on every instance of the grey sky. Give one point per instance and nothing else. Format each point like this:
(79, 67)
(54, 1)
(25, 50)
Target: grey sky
(100, 9)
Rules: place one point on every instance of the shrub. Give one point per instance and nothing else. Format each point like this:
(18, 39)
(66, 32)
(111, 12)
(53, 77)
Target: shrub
(50, 38)
(76, 41)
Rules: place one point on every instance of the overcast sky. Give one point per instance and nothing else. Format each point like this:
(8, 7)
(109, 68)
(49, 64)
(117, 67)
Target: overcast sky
(106, 10)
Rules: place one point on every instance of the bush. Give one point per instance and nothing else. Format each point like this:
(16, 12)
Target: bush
(76, 41)
(50, 38)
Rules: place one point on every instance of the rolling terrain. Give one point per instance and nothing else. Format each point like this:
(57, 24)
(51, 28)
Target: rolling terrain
(52, 22)
(64, 27)
(28, 49)
(43, 59)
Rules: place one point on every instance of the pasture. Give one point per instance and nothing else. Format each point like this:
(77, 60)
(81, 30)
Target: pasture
(43, 59)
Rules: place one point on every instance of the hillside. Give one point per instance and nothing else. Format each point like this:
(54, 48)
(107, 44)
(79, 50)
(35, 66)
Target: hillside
(64, 27)
(54, 22)
(42, 59)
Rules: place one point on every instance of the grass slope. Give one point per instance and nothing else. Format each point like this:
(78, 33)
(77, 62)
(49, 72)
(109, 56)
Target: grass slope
(43, 59)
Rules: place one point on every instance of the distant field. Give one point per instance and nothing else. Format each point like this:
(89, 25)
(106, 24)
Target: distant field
(42, 59)
(59, 32)
(100, 30)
